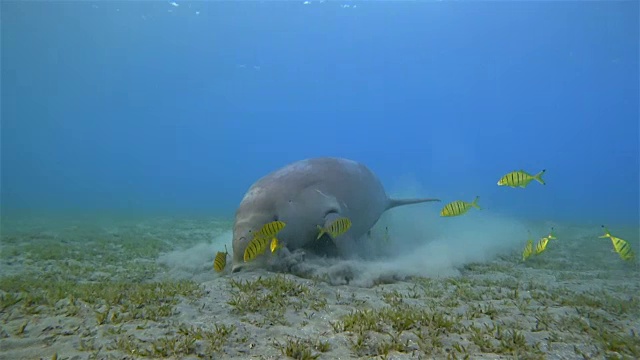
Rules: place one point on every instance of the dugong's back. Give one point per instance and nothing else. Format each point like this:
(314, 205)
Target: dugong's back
(349, 181)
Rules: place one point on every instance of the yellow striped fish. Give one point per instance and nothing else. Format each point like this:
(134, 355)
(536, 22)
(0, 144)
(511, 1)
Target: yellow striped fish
(458, 207)
(337, 228)
(270, 229)
(520, 178)
(528, 250)
(261, 239)
(255, 247)
(623, 249)
(542, 243)
(620, 246)
(220, 261)
(274, 245)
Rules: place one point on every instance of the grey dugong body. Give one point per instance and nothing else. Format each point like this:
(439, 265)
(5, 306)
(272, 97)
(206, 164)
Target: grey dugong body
(308, 193)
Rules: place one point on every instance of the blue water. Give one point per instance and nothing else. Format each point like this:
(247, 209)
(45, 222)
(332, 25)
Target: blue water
(145, 106)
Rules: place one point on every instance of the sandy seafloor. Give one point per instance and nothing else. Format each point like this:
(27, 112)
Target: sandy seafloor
(145, 288)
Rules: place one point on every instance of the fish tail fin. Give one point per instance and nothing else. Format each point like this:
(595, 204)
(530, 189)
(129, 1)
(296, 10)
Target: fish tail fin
(538, 177)
(322, 231)
(400, 202)
(475, 203)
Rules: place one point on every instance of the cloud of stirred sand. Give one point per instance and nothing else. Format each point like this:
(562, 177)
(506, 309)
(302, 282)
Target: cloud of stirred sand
(196, 262)
(420, 243)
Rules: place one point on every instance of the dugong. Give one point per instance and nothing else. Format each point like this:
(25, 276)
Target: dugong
(311, 193)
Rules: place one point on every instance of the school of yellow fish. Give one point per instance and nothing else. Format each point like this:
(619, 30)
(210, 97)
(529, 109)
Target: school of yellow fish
(519, 178)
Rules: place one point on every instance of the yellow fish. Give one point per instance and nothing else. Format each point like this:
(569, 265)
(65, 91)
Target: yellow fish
(274, 245)
(620, 246)
(520, 178)
(458, 207)
(337, 228)
(270, 229)
(261, 238)
(220, 261)
(542, 243)
(255, 247)
(528, 250)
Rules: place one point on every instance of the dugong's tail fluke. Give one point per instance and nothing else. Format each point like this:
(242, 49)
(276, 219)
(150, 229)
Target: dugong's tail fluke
(399, 202)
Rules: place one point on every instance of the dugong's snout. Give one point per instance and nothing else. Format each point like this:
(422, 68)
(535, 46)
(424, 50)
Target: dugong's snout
(239, 245)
